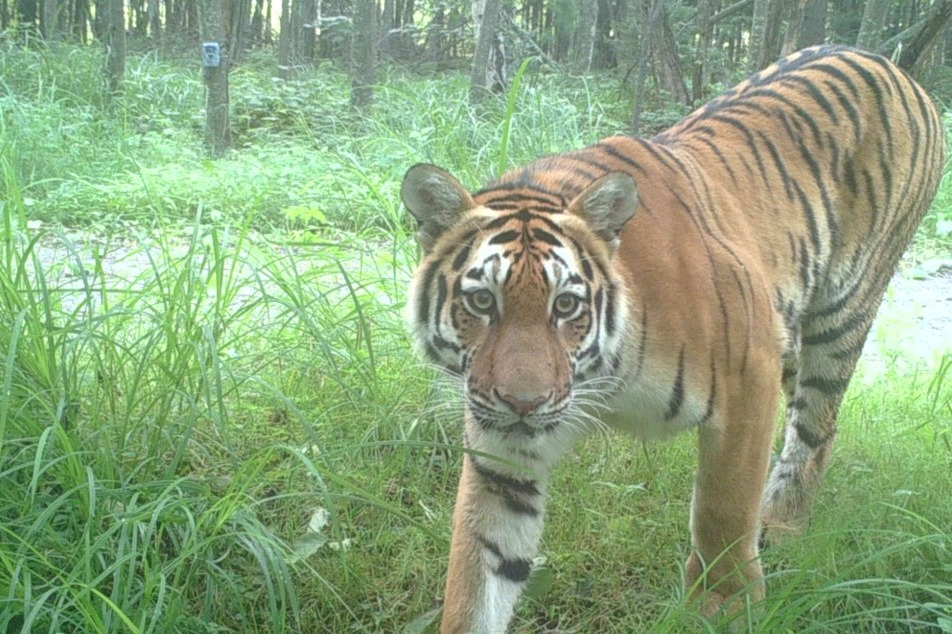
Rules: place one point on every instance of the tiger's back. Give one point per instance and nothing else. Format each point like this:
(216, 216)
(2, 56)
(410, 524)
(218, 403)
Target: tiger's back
(805, 182)
(678, 282)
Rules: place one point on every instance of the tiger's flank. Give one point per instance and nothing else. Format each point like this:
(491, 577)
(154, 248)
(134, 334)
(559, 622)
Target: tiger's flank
(665, 284)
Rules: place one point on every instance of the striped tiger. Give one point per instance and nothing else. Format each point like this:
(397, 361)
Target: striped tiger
(664, 284)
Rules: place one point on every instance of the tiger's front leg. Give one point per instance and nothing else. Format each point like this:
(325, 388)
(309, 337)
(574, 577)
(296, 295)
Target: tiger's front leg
(733, 455)
(497, 524)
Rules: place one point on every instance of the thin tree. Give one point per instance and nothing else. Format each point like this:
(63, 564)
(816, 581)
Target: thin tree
(665, 61)
(558, 22)
(115, 42)
(237, 17)
(284, 41)
(50, 28)
(765, 26)
(485, 14)
(705, 30)
(155, 21)
(794, 19)
(813, 29)
(585, 35)
(871, 28)
(654, 16)
(363, 55)
(917, 41)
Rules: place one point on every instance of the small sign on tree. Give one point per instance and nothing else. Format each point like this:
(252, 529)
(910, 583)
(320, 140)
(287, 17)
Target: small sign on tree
(215, 70)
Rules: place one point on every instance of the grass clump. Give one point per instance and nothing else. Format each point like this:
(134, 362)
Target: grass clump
(137, 492)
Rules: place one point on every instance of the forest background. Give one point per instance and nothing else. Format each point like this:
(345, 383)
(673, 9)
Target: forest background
(211, 420)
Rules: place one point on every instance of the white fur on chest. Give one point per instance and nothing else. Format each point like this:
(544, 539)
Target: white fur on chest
(643, 408)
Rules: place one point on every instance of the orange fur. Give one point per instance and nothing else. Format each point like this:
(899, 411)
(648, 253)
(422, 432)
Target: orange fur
(658, 285)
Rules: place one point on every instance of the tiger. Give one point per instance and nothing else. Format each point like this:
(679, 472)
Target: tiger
(679, 282)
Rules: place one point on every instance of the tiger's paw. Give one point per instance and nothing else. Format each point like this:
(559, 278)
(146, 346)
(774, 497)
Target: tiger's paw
(723, 591)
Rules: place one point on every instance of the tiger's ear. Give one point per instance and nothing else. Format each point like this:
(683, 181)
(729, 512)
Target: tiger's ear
(436, 199)
(606, 205)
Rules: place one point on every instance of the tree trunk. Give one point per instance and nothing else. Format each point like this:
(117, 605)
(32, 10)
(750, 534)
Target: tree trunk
(267, 32)
(115, 41)
(80, 22)
(387, 24)
(871, 28)
(585, 35)
(309, 34)
(735, 9)
(813, 30)
(705, 30)
(947, 47)
(401, 44)
(666, 63)
(923, 35)
(137, 22)
(27, 10)
(297, 31)
(794, 19)
(363, 55)
(49, 27)
(217, 127)
(155, 22)
(650, 24)
(765, 27)
(605, 51)
(236, 25)
(758, 34)
(561, 24)
(171, 15)
(284, 42)
(485, 13)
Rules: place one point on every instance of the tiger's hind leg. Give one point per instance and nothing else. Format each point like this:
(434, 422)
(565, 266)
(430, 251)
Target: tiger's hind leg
(833, 331)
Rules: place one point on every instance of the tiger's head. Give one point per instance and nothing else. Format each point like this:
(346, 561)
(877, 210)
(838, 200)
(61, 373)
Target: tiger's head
(522, 303)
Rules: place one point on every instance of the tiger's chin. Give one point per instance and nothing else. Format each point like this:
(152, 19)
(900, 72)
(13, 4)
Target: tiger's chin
(535, 441)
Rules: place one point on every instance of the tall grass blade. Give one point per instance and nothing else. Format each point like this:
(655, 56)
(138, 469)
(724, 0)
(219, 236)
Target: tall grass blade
(502, 163)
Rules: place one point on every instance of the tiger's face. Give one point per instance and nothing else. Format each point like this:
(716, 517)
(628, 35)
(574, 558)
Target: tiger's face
(522, 305)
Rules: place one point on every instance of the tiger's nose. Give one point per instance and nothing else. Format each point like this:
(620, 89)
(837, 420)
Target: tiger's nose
(522, 403)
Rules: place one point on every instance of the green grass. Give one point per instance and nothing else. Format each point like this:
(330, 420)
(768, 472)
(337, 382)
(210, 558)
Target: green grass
(211, 420)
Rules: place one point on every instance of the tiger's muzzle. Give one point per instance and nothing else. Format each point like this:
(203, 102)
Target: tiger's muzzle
(521, 415)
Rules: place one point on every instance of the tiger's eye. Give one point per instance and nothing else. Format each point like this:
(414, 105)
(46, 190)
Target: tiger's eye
(564, 305)
(482, 301)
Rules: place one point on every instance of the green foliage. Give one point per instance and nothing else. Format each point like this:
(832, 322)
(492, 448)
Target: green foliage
(937, 80)
(82, 162)
(265, 106)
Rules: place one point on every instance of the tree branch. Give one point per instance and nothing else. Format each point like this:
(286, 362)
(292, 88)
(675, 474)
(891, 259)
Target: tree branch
(731, 11)
(915, 42)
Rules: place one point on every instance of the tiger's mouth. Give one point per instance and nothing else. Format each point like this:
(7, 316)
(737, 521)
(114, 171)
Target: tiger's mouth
(511, 424)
